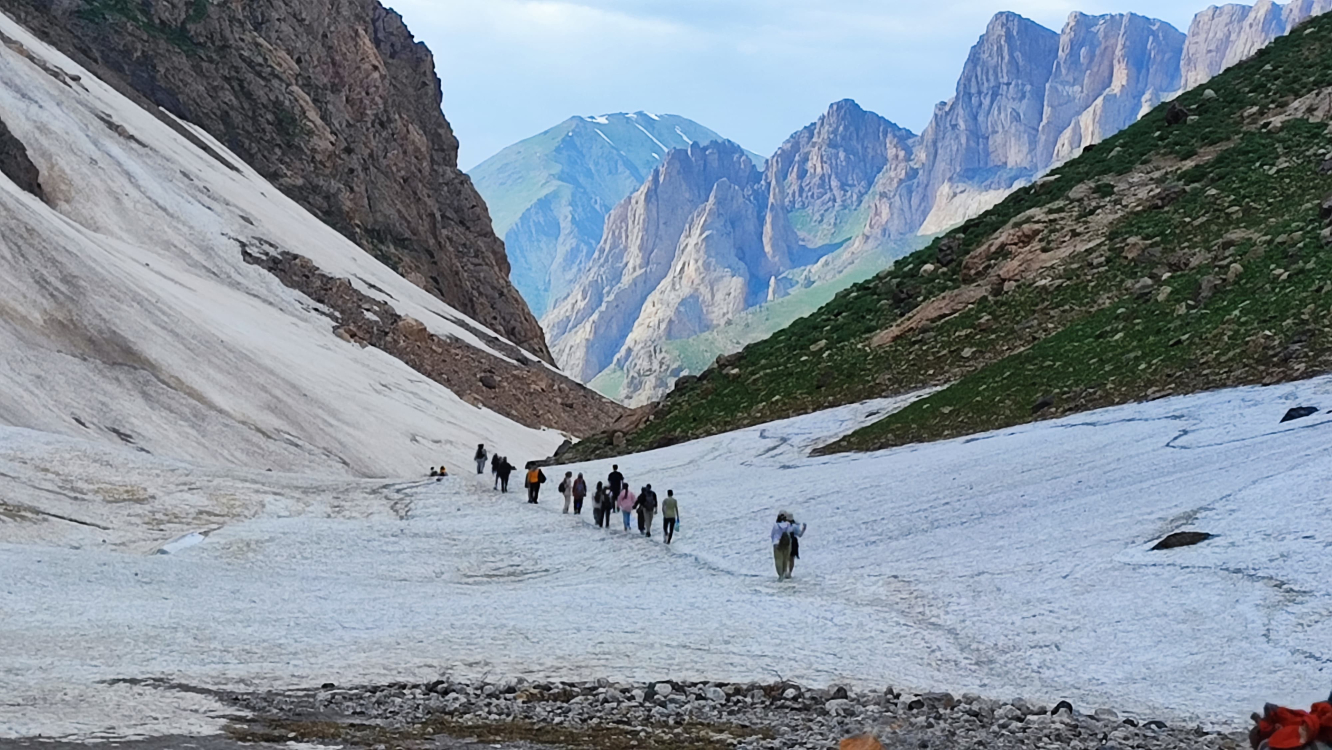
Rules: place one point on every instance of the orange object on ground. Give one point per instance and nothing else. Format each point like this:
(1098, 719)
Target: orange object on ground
(1281, 728)
(861, 742)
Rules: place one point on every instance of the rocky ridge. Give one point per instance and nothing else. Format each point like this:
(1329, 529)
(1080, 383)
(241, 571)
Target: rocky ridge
(334, 102)
(751, 716)
(549, 194)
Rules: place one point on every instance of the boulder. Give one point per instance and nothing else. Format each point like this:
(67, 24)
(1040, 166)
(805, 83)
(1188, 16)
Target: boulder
(1299, 412)
(1182, 539)
(1177, 114)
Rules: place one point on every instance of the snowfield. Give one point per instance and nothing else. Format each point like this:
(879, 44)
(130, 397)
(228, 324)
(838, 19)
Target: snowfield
(1011, 564)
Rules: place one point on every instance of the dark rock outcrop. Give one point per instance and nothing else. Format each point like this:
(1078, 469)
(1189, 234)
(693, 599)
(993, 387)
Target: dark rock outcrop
(15, 164)
(1182, 539)
(334, 102)
(532, 395)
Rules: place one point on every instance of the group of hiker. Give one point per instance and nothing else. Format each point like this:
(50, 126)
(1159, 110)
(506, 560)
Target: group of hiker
(615, 495)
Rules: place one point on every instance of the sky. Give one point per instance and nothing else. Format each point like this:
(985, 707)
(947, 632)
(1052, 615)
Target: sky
(755, 71)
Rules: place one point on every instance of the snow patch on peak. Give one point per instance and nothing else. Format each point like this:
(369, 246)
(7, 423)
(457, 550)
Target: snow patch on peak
(649, 114)
(653, 137)
(599, 120)
(603, 136)
(683, 137)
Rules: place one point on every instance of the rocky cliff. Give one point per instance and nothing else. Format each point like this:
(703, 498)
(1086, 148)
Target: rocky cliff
(1111, 70)
(549, 194)
(334, 102)
(985, 137)
(827, 171)
(1222, 36)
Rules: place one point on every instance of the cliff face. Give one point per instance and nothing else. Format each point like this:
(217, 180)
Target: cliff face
(588, 327)
(985, 136)
(1220, 37)
(826, 171)
(1111, 70)
(331, 100)
(549, 194)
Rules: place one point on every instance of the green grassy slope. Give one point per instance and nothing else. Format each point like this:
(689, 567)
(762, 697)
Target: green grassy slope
(1170, 259)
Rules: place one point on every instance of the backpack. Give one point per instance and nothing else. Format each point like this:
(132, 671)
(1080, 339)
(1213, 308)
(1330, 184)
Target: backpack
(563, 484)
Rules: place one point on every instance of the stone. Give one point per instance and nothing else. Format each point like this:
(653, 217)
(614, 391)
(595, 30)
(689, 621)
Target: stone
(490, 380)
(1106, 714)
(715, 695)
(1234, 272)
(1176, 114)
(1182, 539)
(1043, 403)
(1299, 412)
(663, 689)
(1209, 94)
(16, 165)
(836, 692)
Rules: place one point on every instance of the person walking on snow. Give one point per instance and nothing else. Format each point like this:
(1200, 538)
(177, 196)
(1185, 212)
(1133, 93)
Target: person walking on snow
(503, 471)
(647, 508)
(670, 515)
(625, 502)
(535, 478)
(615, 481)
(481, 459)
(495, 462)
(785, 543)
(579, 492)
(601, 506)
(566, 489)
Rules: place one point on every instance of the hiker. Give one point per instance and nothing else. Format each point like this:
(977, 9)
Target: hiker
(481, 459)
(670, 516)
(647, 508)
(600, 505)
(615, 481)
(502, 472)
(495, 462)
(625, 502)
(785, 543)
(535, 478)
(579, 492)
(434, 472)
(566, 489)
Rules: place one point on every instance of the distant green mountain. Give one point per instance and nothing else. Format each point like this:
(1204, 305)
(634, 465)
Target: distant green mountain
(549, 195)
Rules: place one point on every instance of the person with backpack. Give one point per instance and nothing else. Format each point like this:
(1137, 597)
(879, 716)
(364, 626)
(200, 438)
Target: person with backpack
(625, 502)
(495, 461)
(600, 506)
(481, 457)
(579, 492)
(615, 481)
(670, 515)
(566, 489)
(786, 534)
(502, 472)
(647, 508)
(535, 478)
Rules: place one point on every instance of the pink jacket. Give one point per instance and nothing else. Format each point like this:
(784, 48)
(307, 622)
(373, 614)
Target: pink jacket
(626, 499)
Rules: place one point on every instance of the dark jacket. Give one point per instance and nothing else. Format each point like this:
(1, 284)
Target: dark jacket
(481, 454)
(616, 483)
(504, 470)
(647, 501)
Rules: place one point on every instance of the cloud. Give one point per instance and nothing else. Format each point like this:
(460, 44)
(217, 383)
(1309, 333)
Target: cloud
(754, 70)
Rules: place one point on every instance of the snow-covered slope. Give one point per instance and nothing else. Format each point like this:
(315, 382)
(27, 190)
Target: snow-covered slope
(127, 312)
(1012, 564)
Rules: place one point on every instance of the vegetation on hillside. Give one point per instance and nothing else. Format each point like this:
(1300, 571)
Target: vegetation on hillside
(1190, 252)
